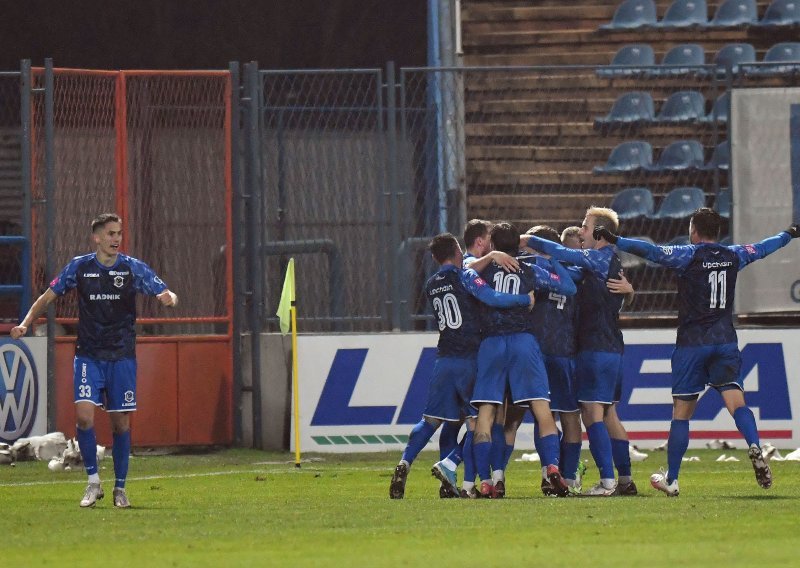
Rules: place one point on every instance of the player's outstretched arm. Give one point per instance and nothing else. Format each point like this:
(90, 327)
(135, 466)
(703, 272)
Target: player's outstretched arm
(478, 287)
(38, 308)
(168, 298)
(558, 252)
(669, 256)
(757, 251)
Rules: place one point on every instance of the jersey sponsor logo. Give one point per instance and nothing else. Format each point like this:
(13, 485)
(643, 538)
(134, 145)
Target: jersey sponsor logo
(116, 273)
(18, 391)
(750, 249)
(91, 275)
(480, 281)
(54, 282)
(119, 281)
(554, 276)
(440, 289)
(96, 297)
(720, 264)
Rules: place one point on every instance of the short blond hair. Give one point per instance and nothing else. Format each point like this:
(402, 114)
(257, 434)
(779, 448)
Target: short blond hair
(605, 217)
(570, 233)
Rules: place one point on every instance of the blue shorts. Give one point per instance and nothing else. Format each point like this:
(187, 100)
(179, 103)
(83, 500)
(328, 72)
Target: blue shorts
(110, 384)
(695, 367)
(599, 376)
(451, 389)
(510, 364)
(563, 386)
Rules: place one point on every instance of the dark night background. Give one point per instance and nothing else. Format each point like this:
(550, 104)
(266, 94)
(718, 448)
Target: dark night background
(207, 34)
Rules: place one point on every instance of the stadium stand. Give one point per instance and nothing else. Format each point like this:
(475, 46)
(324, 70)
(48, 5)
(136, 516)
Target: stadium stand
(784, 57)
(630, 60)
(722, 203)
(720, 158)
(680, 203)
(679, 58)
(628, 157)
(781, 13)
(684, 14)
(632, 14)
(633, 202)
(679, 155)
(629, 108)
(683, 106)
(733, 13)
(719, 112)
(735, 54)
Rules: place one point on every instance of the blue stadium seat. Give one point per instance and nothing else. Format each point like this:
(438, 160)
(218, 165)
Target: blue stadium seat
(680, 203)
(633, 202)
(629, 108)
(684, 14)
(629, 60)
(719, 111)
(783, 57)
(679, 155)
(722, 204)
(627, 157)
(683, 106)
(687, 54)
(781, 13)
(720, 159)
(632, 14)
(735, 54)
(734, 13)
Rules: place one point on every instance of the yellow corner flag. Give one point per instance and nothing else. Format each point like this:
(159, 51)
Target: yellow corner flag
(287, 298)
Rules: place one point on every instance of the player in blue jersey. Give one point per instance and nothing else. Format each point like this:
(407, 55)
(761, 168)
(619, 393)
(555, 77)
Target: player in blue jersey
(510, 363)
(706, 349)
(107, 282)
(455, 295)
(598, 364)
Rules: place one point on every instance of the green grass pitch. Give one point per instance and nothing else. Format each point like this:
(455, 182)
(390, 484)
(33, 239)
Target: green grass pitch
(250, 508)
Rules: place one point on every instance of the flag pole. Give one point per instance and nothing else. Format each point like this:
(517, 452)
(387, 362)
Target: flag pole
(295, 387)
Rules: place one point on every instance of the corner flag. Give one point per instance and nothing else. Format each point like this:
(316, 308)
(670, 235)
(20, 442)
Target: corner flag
(287, 298)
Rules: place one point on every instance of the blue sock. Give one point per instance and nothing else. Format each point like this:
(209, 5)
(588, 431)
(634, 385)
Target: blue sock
(88, 445)
(600, 446)
(457, 454)
(620, 450)
(507, 455)
(549, 447)
(481, 451)
(746, 424)
(469, 458)
(121, 452)
(448, 438)
(570, 457)
(676, 447)
(498, 446)
(420, 435)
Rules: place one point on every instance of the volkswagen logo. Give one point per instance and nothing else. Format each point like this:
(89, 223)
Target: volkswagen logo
(18, 390)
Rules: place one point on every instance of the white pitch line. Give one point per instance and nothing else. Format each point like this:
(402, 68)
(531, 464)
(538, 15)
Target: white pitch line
(293, 470)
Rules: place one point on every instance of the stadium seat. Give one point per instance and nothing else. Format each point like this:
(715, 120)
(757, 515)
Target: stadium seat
(720, 158)
(633, 202)
(681, 202)
(719, 111)
(679, 241)
(781, 13)
(687, 54)
(684, 14)
(632, 14)
(629, 108)
(734, 13)
(683, 106)
(735, 54)
(629, 60)
(679, 155)
(627, 157)
(782, 58)
(722, 204)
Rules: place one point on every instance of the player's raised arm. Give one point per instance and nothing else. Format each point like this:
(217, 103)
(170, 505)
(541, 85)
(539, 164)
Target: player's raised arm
(38, 308)
(478, 287)
(757, 251)
(557, 251)
(669, 256)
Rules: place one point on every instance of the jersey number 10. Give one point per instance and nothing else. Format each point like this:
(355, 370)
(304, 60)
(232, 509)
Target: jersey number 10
(719, 288)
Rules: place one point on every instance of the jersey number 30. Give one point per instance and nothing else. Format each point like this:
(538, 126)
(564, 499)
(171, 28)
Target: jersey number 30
(719, 288)
(448, 314)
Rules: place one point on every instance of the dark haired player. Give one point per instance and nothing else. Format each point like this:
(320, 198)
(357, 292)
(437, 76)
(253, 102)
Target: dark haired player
(706, 349)
(105, 357)
(455, 295)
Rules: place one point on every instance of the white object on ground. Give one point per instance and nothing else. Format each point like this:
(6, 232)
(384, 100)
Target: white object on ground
(636, 455)
(533, 457)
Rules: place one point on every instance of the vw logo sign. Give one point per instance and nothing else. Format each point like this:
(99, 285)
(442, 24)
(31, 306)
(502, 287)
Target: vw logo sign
(18, 390)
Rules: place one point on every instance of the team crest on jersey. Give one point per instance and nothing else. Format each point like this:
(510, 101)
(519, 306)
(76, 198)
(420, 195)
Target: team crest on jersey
(667, 250)
(119, 281)
(128, 396)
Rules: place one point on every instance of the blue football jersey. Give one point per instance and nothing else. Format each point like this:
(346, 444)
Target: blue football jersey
(107, 302)
(554, 319)
(456, 296)
(706, 283)
(529, 277)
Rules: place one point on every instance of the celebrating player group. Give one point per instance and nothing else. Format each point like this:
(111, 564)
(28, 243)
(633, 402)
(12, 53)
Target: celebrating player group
(530, 322)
